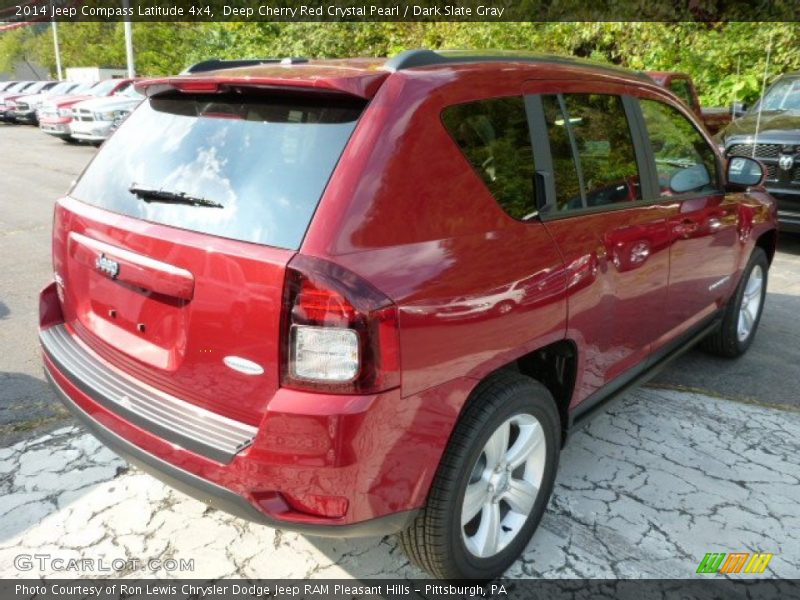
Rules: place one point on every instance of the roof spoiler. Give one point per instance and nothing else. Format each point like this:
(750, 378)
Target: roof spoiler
(216, 64)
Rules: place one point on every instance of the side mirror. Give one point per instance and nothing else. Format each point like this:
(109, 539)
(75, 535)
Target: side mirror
(745, 171)
(689, 179)
(738, 109)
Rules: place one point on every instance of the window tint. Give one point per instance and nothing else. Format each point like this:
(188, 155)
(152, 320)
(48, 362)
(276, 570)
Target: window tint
(596, 128)
(494, 137)
(684, 160)
(265, 160)
(680, 87)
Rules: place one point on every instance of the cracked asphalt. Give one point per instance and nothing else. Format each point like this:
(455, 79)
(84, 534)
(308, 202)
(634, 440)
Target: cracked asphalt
(704, 459)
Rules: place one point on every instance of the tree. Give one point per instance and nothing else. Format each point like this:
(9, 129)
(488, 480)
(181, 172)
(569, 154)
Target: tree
(726, 60)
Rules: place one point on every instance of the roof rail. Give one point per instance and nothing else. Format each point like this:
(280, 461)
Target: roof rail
(215, 64)
(423, 57)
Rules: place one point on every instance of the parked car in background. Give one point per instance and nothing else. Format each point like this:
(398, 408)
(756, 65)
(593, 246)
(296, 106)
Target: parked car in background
(770, 132)
(683, 87)
(94, 120)
(55, 115)
(7, 99)
(253, 281)
(4, 85)
(15, 88)
(23, 109)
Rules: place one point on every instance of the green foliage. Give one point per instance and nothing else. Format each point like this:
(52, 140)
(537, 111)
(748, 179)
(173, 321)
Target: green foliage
(726, 60)
(18, 45)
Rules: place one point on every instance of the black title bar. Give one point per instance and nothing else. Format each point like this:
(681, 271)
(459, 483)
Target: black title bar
(23, 11)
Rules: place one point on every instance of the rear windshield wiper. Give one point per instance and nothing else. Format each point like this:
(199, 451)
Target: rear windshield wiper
(153, 195)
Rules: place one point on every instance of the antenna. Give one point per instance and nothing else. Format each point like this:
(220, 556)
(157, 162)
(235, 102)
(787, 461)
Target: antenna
(761, 102)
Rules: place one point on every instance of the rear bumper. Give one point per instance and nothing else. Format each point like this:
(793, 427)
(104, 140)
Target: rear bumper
(217, 496)
(192, 427)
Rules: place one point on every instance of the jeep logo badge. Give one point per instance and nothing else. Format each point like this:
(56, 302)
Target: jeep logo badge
(786, 162)
(107, 266)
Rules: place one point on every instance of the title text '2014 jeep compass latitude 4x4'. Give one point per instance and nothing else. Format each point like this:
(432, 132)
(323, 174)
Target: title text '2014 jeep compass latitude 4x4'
(354, 297)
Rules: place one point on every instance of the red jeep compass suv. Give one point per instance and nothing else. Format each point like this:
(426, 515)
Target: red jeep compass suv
(355, 297)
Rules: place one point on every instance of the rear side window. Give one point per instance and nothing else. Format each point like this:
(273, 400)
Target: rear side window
(594, 160)
(494, 137)
(261, 163)
(685, 162)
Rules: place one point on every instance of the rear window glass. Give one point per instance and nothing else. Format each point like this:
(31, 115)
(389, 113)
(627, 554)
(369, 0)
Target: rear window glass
(260, 164)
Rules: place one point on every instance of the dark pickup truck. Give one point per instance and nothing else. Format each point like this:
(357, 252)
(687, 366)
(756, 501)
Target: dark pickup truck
(773, 137)
(682, 86)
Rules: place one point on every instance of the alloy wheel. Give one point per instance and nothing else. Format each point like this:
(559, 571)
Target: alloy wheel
(503, 486)
(751, 303)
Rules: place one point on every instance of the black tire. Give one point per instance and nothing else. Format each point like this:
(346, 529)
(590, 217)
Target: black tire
(724, 341)
(434, 541)
(70, 140)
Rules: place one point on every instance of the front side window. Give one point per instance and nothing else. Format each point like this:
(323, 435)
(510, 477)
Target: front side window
(685, 162)
(494, 137)
(594, 160)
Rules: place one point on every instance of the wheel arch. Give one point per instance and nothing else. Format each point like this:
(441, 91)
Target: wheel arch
(768, 242)
(554, 365)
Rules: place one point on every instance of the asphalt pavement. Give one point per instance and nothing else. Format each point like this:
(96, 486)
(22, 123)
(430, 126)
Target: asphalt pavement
(37, 168)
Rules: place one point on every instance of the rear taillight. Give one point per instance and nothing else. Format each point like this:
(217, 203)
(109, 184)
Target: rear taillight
(339, 334)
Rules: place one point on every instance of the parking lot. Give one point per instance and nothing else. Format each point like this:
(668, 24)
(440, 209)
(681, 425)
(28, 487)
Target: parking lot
(703, 459)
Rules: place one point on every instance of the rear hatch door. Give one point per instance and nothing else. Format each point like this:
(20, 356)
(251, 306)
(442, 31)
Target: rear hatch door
(172, 245)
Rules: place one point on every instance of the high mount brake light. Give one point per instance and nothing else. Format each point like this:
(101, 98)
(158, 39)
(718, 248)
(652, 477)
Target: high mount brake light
(339, 334)
(195, 86)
